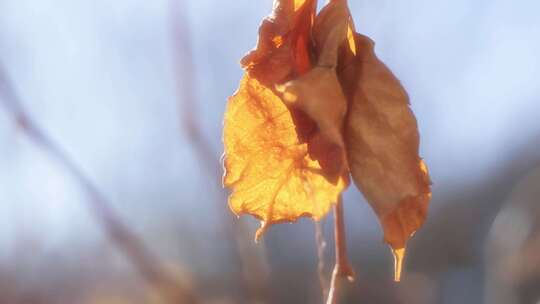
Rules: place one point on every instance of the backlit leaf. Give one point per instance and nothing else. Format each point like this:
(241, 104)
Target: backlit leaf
(268, 167)
(282, 49)
(315, 105)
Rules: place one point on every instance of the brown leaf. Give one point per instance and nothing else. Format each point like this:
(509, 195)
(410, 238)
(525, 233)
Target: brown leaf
(330, 31)
(382, 142)
(318, 93)
(282, 50)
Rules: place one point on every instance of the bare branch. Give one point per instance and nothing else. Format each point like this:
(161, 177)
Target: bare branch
(321, 246)
(130, 245)
(252, 257)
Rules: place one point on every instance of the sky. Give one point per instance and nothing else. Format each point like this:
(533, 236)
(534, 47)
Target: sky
(99, 76)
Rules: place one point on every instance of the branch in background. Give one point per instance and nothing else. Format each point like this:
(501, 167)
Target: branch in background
(252, 256)
(131, 246)
(321, 246)
(342, 269)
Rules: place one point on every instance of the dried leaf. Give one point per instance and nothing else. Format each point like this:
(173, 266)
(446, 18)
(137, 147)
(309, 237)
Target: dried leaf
(276, 160)
(382, 140)
(330, 30)
(282, 50)
(294, 129)
(268, 167)
(318, 93)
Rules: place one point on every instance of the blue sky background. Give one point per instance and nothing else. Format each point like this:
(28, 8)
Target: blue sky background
(99, 76)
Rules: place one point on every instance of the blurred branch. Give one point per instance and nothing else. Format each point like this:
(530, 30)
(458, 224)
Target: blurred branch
(254, 265)
(321, 246)
(131, 246)
(342, 269)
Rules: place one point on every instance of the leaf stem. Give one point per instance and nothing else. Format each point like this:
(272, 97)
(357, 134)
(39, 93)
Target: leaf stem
(342, 268)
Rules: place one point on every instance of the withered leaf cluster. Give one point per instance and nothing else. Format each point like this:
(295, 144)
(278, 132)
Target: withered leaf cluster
(314, 107)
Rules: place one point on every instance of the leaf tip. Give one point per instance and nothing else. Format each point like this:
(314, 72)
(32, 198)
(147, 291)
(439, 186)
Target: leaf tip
(350, 39)
(399, 255)
(261, 231)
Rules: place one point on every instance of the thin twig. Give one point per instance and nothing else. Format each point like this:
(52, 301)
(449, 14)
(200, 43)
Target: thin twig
(321, 246)
(130, 245)
(251, 256)
(342, 269)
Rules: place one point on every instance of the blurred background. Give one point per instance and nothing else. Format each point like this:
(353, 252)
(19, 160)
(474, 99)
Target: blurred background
(110, 137)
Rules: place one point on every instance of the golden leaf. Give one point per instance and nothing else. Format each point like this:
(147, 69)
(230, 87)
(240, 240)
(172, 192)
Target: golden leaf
(267, 165)
(277, 161)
